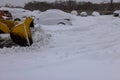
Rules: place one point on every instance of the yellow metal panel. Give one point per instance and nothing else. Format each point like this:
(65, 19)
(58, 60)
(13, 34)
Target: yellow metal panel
(4, 28)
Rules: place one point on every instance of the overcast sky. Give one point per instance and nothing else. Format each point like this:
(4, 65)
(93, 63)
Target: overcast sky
(22, 2)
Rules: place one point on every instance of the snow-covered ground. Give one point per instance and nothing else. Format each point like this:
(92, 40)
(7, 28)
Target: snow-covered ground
(87, 50)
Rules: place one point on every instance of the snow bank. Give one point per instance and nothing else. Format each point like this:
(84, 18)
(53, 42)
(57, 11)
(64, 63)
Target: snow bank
(74, 12)
(83, 14)
(17, 12)
(40, 37)
(95, 13)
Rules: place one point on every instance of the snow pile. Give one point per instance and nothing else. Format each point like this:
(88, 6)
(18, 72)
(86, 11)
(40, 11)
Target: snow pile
(40, 37)
(74, 12)
(36, 12)
(53, 17)
(54, 13)
(95, 13)
(17, 12)
(83, 14)
(116, 13)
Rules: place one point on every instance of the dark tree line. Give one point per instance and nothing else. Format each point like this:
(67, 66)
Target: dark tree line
(70, 5)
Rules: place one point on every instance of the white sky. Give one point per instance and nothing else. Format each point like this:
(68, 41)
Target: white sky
(22, 2)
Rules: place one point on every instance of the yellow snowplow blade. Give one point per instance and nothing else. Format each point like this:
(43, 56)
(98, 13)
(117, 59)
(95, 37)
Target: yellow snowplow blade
(21, 34)
(4, 28)
(10, 24)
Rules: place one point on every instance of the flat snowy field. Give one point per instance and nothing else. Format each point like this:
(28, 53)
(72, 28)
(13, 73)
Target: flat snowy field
(87, 50)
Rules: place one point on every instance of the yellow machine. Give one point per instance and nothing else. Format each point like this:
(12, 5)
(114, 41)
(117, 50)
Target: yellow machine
(20, 32)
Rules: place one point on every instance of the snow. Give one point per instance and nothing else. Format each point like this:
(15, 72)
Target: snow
(74, 12)
(95, 13)
(83, 14)
(17, 12)
(116, 13)
(53, 17)
(87, 50)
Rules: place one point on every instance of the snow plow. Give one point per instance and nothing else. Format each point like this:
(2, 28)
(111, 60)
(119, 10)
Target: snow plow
(20, 32)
